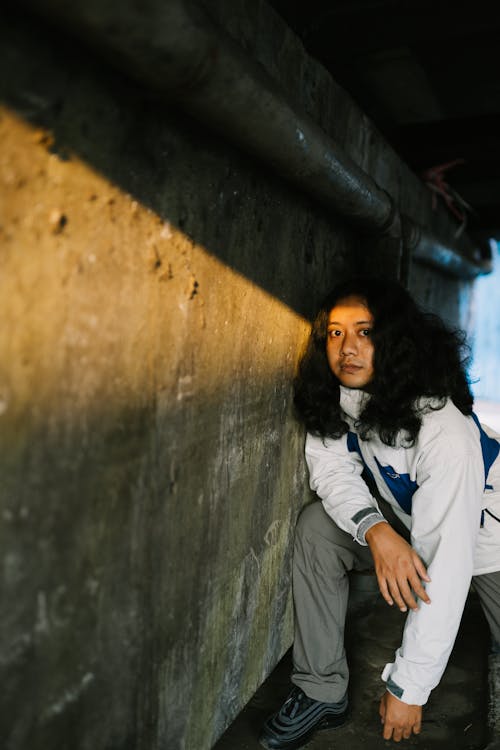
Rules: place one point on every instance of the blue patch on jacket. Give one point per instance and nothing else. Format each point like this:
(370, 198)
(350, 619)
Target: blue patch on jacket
(401, 486)
(490, 449)
(353, 447)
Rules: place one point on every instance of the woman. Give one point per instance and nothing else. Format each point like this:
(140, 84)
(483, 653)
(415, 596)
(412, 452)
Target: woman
(383, 393)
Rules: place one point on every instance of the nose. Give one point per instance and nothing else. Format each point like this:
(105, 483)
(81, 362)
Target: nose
(349, 344)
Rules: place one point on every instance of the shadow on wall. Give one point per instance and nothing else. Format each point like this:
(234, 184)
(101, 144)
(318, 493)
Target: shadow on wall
(251, 220)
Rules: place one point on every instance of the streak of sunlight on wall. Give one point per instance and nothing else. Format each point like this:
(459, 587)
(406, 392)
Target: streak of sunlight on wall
(103, 301)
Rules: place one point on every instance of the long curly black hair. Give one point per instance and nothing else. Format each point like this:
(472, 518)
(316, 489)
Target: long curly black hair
(415, 355)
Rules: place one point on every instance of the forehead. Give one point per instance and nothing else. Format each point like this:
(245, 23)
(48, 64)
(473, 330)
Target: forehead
(352, 309)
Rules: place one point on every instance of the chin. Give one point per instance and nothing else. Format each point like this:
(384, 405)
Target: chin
(353, 382)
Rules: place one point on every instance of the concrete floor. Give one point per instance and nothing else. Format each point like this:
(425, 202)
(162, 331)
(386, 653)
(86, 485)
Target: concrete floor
(456, 715)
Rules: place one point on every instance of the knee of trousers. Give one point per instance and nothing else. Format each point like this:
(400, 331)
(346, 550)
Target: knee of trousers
(315, 520)
(316, 529)
(312, 519)
(317, 537)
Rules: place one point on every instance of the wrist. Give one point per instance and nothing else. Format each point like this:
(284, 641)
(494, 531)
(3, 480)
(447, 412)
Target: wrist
(375, 528)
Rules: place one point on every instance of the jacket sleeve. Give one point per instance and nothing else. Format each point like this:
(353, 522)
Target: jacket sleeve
(445, 524)
(335, 475)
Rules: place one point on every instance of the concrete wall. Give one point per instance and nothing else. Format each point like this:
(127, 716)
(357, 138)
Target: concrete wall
(155, 291)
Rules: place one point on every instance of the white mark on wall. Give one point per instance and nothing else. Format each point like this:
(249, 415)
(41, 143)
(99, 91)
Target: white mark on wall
(42, 625)
(69, 696)
(253, 556)
(185, 387)
(166, 231)
(4, 403)
(92, 586)
(9, 515)
(272, 534)
(273, 436)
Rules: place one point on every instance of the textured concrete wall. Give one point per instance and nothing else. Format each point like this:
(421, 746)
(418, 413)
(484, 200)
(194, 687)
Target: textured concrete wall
(449, 297)
(155, 290)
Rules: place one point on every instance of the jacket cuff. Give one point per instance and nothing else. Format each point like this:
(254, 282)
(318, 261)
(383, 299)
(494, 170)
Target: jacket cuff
(412, 695)
(365, 519)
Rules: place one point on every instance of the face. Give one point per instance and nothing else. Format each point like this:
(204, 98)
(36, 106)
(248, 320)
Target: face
(349, 348)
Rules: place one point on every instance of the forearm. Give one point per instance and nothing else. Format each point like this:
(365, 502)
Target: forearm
(445, 523)
(430, 633)
(335, 475)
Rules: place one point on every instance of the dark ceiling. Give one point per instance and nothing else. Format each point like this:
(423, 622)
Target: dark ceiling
(427, 73)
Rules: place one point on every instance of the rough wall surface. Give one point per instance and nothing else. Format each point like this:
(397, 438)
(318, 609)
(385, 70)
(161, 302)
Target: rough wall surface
(155, 292)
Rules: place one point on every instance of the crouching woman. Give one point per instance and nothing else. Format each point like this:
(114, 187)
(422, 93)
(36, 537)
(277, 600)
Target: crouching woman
(409, 484)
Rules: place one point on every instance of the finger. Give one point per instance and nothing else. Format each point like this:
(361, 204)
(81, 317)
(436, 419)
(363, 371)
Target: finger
(397, 735)
(419, 590)
(416, 581)
(417, 727)
(420, 568)
(407, 595)
(394, 589)
(407, 733)
(387, 733)
(382, 584)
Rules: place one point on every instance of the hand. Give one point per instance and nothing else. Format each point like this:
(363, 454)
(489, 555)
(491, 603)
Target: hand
(399, 719)
(398, 567)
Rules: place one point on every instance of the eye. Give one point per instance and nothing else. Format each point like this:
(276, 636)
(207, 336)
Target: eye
(334, 333)
(366, 331)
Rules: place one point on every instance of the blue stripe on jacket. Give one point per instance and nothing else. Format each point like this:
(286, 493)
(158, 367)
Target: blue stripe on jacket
(402, 487)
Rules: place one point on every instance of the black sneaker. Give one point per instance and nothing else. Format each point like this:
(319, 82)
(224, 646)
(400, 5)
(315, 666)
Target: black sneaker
(297, 720)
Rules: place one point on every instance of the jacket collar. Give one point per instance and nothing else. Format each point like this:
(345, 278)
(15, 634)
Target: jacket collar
(353, 401)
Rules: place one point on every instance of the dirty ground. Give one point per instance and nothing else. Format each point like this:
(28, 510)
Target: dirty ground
(455, 716)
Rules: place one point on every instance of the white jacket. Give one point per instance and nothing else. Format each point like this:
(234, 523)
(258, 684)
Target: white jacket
(441, 483)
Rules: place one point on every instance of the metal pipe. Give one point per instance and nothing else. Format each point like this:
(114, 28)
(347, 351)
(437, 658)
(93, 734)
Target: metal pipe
(433, 252)
(173, 47)
(175, 50)
(423, 246)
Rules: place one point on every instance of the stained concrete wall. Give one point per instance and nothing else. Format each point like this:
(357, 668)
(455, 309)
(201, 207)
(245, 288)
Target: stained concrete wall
(156, 287)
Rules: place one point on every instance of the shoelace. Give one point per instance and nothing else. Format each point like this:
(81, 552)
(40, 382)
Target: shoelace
(296, 702)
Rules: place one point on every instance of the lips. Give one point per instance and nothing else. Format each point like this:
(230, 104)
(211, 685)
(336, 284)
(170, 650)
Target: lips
(351, 369)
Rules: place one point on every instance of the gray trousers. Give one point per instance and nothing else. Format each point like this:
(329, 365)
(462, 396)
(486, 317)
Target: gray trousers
(323, 557)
